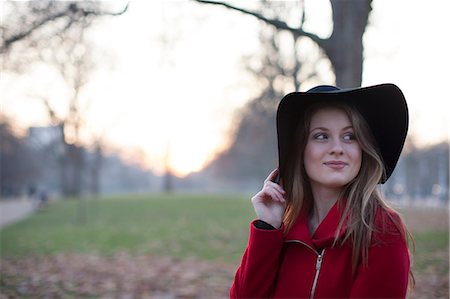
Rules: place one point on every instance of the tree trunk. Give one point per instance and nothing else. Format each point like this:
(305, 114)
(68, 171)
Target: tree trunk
(96, 169)
(345, 47)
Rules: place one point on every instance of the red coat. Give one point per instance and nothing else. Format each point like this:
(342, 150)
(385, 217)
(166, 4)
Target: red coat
(300, 266)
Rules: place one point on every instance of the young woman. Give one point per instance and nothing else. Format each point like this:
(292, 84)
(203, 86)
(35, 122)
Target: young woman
(323, 228)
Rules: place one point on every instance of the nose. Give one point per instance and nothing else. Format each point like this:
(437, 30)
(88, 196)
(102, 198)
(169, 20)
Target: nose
(336, 147)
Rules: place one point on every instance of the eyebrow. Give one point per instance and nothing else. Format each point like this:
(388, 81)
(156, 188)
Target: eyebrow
(326, 129)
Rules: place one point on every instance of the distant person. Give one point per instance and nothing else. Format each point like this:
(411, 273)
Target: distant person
(43, 199)
(323, 229)
(31, 191)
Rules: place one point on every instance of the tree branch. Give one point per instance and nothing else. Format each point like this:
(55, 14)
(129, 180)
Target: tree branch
(72, 10)
(8, 41)
(104, 13)
(280, 25)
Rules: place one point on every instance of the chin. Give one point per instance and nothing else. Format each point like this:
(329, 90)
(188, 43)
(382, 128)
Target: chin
(338, 183)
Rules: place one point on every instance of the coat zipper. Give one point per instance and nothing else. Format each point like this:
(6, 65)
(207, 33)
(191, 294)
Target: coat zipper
(318, 264)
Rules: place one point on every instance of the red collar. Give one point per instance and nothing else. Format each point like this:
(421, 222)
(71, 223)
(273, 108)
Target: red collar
(325, 233)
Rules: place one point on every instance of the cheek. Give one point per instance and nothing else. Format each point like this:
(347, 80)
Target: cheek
(312, 152)
(310, 158)
(306, 154)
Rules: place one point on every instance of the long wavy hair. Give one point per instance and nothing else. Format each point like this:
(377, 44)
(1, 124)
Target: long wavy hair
(363, 197)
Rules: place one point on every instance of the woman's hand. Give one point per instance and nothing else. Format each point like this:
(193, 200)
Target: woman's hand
(269, 203)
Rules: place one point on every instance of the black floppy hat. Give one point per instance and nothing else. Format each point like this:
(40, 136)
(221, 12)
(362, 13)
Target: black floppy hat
(383, 107)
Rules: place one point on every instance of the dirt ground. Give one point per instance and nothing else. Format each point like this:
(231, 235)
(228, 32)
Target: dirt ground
(121, 276)
(126, 276)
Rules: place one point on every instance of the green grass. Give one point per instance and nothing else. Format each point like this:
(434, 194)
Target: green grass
(432, 252)
(204, 226)
(208, 227)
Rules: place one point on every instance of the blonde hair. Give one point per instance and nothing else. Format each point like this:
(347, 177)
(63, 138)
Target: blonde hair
(363, 197)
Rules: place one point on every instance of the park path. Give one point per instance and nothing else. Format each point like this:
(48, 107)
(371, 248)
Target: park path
(13, 210)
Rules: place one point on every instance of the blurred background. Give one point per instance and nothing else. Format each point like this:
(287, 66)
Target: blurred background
(133, 133)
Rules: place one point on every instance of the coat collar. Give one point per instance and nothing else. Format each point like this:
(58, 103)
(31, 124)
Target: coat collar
(325, 233)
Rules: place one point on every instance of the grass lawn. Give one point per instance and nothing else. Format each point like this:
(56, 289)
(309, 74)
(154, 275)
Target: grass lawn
(432, 252)
(430, 230)
(208, 227)
(204, 226)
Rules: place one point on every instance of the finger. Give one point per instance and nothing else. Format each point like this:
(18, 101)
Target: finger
(276, 187)
(279, 196)
(275, 194)
(270, 195)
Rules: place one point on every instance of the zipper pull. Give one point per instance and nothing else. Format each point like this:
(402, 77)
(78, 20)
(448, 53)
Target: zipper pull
(319, 260)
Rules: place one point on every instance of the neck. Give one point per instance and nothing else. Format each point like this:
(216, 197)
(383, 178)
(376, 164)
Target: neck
(324, 200)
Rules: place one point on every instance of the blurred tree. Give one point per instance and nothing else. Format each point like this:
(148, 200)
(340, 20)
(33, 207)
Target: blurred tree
(53, 33)
(344, 47)
(253, 150)
(96, 166)
(27, 25)
(168, 184)
(74, 62)
(17, 164)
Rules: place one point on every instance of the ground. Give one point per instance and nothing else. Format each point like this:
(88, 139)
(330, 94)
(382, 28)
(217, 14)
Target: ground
(126, 276)
(120, 276)
(164, 272)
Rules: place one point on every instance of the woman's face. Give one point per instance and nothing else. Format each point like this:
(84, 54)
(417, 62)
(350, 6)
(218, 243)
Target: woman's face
(332, 156)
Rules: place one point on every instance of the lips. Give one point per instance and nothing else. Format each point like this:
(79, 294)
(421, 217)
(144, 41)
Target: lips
(335, 164)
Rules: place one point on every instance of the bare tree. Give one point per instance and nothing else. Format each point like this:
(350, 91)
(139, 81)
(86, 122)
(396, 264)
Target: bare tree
(344, 48)
(53, 33)
(276, 72)
(73, 61)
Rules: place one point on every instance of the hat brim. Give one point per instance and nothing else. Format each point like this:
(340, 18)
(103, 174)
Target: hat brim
(383, 107)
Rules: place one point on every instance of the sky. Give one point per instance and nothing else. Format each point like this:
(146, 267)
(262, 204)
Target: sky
(171, 76)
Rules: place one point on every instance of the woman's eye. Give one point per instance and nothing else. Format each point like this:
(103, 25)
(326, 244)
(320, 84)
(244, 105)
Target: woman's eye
(320, 136)
(349, 137)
